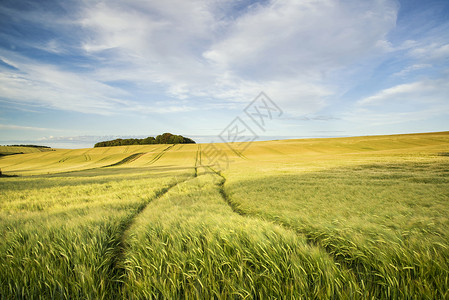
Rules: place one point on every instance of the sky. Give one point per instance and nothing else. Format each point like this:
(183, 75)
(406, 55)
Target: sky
(76, 72)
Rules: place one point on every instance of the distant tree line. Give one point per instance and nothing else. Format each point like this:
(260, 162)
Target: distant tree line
(166, 138)
(32, 146)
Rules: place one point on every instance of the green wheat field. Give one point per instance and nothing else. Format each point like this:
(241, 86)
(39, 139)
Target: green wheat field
(340, 218)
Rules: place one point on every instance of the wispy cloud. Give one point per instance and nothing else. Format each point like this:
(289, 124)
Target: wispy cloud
(432, 52)
(412, 68)
(424, 92)
(282, 48)
(18, 127)
(111, 57)
(190, 49)
(410, 102)
(49, 86)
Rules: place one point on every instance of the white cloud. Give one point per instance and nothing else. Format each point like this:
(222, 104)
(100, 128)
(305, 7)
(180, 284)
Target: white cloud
(196, 50)
(190, 48)
(8, 62)
(366, 119)
(412, 68)
(45, 85)
(428, 91)
(302, 38)
(432, 52)
(18, 127)
(410, 102)
(53, 46)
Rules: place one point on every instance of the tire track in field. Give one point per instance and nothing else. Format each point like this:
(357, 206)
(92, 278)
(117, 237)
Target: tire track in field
(224, 195)
(105, 151)
(119, 244)
(29, 159)
(160, 154)
(126, 160)
(197, 159)
(239, 154)
(339, 261)
(67, 157)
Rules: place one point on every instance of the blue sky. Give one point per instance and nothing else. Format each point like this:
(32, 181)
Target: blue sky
(75, 72)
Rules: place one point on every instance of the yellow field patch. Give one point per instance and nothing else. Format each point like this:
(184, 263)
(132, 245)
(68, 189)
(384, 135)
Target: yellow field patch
(357, 218)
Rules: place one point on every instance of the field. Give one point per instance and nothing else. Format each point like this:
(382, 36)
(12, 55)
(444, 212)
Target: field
(10, 150)
(344, 218)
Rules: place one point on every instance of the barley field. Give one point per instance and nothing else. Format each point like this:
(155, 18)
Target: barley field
(341, 218)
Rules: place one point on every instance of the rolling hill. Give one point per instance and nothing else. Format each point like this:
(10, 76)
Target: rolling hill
(359, 217)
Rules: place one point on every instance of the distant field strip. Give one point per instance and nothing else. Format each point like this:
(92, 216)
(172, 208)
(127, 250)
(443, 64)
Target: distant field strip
(73, 160)
(23, 159)
(8, 150)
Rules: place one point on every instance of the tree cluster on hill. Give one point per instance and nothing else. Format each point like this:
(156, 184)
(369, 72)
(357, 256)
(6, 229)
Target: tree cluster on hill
(166, 138)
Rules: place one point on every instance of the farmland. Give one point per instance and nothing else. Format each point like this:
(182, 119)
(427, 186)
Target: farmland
(362, 217)
(11, 150)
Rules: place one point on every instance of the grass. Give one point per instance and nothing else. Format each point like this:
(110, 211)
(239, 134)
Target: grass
(190, 244)
(388, 223)
(60, 235)
(347, 218)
